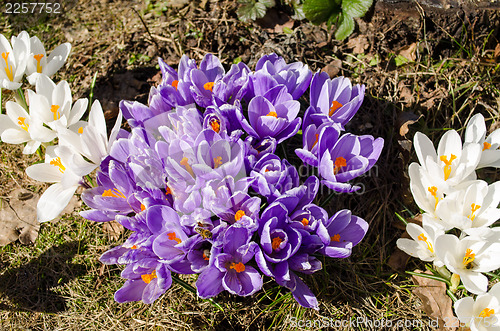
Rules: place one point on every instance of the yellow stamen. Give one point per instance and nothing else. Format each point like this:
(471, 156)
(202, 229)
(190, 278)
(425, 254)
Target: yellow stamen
(447, 167)
(239, 214)
(335, 105)
(276, 243)
(305, 221)
(114, 193)
(335, 238)
(215, 125)
(433, 190)
(147, 278)
(38, 57)
(486, 146)
(175, 83)
(240, 267)
(339, 163)
(173, 236)
(57, 162)
(54, 109)
(185, 163)
(22, 122)
(473, 208)
(208, 86)
(273, 114)
(423, 238)
(80, 130)
(8, 69)
(217, 161)
(468, 258)
(486, 312)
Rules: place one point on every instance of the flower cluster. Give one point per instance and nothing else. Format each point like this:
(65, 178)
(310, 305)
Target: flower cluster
(200, 184)
(457, 232)
(47, 114)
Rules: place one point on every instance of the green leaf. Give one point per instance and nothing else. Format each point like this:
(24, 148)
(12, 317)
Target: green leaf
(356, 8)
(319, 11)
(251, 10)
(268, 3)
(287, 30)
(400, 60)
(345, 28)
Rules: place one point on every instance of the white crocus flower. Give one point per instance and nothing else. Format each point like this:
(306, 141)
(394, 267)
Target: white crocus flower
(424, 190)
(422, 244)
(55, 170)
(474, 207)
(481, 314)
(468, 258)
(53, 103)
(38, 63)
(475, 133)
(451, 165)
(91, 141)
(13, 61)
(20, 127)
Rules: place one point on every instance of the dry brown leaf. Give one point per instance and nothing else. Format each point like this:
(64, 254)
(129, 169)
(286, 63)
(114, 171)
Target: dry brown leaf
(404, 119)
(437, 94)
(113, 229)
(435, 302)
(497, 50)
(409, 52)
(398, 260)
(333, 68)
(359, 44)
(18, 218)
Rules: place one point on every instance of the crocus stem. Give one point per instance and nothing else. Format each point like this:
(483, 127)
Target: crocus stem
(22, 99)
(39, 152)
(284, 151)
(90, 180)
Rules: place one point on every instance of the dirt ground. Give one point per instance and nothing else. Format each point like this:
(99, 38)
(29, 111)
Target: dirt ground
(431, 59)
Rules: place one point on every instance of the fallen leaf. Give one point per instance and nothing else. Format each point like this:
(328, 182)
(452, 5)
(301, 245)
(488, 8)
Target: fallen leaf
(409, 52)
(18, 218)
(404, 119)
(497, 50)
(435, 302)
(333, 68)
(113, 229)
(436, 94)
(398, 260)
(359, 44)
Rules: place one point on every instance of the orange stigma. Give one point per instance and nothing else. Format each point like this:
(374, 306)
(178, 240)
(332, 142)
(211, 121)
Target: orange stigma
(217, 161)
(173, 236)
(114, 193)
(423, 238)
(215, 124)
(175, 83)
(486, 312)
(486, 145)
(315, 142)
(335, 105)
(57, 162)
(273, 114)
(38, 57)
(240, 267)
(276, 243)
(22, 122)
(185, 163)
(239, 214)
(447, 167)
(473, 208)
(468, 258)
(305, 221)
(433, 191)
(335, 238)
(208, 86)
(54, 109)
(147, 278)
(8, 69)
(339, 163)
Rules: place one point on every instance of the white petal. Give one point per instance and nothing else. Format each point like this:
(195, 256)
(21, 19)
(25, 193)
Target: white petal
(96, 118)
(423, 147)
(77, 111)
(464, 308)
(45, 86)
(53, 201)
(44, 172)
(57, 58)
(474, 282)
(15, 136)
(476, 129)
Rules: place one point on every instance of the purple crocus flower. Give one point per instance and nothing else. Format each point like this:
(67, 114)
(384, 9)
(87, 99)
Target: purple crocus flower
(295, 76)
(344, 232)
(175, 87)
(334, 100)
(231, 270)
(257, 148)
(350, 157)
(273, 176)
(233, 85)
(274, 114)
(204, 79)
(146, 280)
(310, 138)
